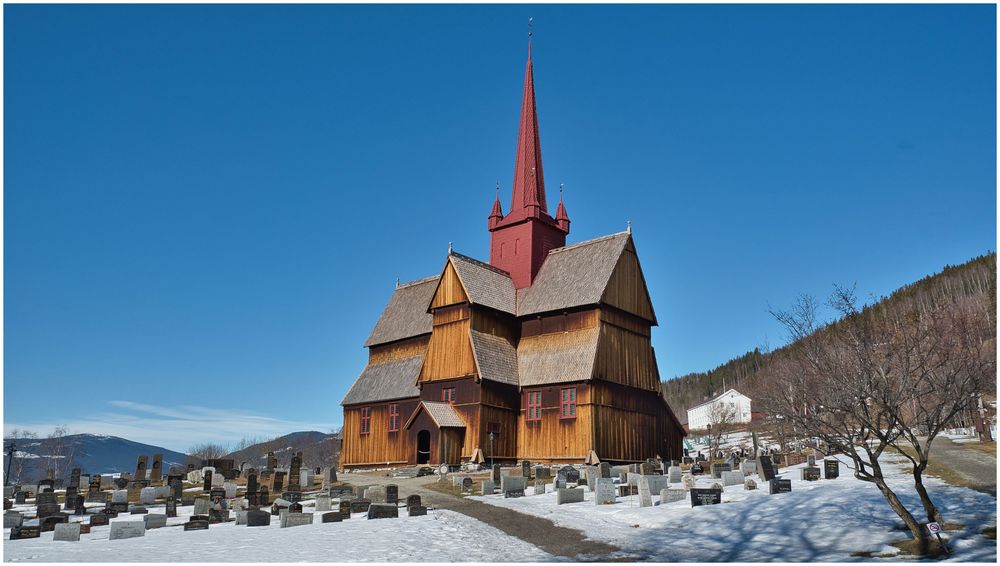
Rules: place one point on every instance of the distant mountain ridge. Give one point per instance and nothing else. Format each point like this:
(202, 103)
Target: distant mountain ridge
(318, 449)
(974, 279)
(92, 453)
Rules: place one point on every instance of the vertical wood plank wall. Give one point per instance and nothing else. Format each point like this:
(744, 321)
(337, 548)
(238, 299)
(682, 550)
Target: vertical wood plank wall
(627, 289)
(554, 438)
(378, 446)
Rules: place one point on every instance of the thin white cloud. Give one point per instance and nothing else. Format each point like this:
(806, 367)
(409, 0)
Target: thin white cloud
(176, 428)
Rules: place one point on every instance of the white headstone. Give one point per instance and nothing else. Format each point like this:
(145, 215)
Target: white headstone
(218, 480)
(487, 487)
(230, 488)
(147, 496)
(323, 503)
(564, 496)
(296, 519)
(12, 519)
(605, 493)
(241, 517)
(119, 496)
(201, 506)
(195, 476)
(732, 478)
(674, 474)
(645, 495)
(671, 495)
(67, 531)
(127, 529)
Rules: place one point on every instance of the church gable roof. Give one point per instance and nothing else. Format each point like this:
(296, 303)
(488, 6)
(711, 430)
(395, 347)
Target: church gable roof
(485, 285)
(405, 316)
(495, 357)
(560, 357)
(574, 275)
(443, 414)
(387, 380)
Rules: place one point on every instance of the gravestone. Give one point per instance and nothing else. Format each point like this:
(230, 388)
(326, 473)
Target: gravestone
(295, 508)
(360, 505)
(20, 497)
(765, 468)
(147, 496)
(331, 517)
(749, 485)
(230, 489)
(289, 520)
(748, 467)
(171, 508)
(94, 493)
(25, 532)
(413, 501)
(138, 510)
(674, 474)
(526, 469)
(417, 511)
(810, 474)
(262, 495)
(604, 493)
(670, 495)
(487, 487)
(605, 469)
(196, 525)
(376, 494)
(467, 485)
(216, 516)
(811, 460)
(46, 504)
(70, 498)
(176, 488)
(625, 490)
(218, 479)
(127, 529)
(392, 494)
(696, 469)
(539, 487)
(119, 496)
(647, 469)
(778, 485)
(568, 474)
(257, 518)
(717, 470)
(241, 517)
(831, 469)
(49, 523)
(345, 509)
(378, 511)
(12, 519)
(201, 505)
(272, 462)
(155, 521)
(207, 484)
(512, 486)
(645, 495)
(340, 491)
(294, 473)
(564, 496)
(46, 484)
(217, 496)
(543, 472)
(157, 471)
(701, 497)
(732, 478)
(99, 520)
(323, 503)
(140, 468)
(496, 474)
(74, 478)
(79, 505)
(277, 481)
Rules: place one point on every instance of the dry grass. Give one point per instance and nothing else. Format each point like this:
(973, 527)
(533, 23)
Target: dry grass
(990, 533)
(936, 469)
(988, 447)
(911, 547)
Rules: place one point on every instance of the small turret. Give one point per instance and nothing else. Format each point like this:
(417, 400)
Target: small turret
(562, 219)
(496, 215)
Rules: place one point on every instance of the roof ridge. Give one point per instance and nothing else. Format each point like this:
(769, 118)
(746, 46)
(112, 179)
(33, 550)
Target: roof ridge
(481, 263)
(587, 242)
(419, 281)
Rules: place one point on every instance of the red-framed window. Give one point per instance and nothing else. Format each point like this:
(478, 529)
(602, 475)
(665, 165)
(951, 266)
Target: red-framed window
(366, 420)
(448, 394)
(393, 417)
(534, 406)
(567, 403)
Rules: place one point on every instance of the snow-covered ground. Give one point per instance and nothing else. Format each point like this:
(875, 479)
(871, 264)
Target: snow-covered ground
(440, 536)
(823, 521)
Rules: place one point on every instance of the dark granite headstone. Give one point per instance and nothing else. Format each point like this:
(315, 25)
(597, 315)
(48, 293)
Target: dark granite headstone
(568, 474)
(831, 469)
(79, 507)
(513, 493)
(252, 487)
(696, 469)
(69, 500)
(293, 496)
(778, 485)
(416, 511)
(196, 526)
(272, 462)
(701, 496)
(295, 508)
(74, 478)
(810, 474)
(526, 469)
(413, 501)
(765, 468)
(120, 483)
(360, 505)
(171, 507)
(218, 516)
(24, 532)
(332, 517)
(339, 491)
(277, 481)
(496, 474)
(382, 511)
(20, 497)
(257, 518)
(207, 477)
(345, 509)
(99, 520)
(467, 485)
(392, 493)
(138, 510)
(263, 497)
(49, 523)
(295, 473)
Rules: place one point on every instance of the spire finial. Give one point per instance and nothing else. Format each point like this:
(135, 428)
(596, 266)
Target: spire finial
(498, 188)
(560, 191)
(397, 282)
(449, 248)
(530, 21)
(628, 225)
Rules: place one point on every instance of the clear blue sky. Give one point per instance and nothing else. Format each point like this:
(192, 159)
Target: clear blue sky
(206, 208)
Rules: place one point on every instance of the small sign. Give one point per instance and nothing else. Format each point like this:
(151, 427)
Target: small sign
(933, 528)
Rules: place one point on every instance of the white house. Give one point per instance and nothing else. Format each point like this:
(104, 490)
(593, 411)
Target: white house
(729, 408)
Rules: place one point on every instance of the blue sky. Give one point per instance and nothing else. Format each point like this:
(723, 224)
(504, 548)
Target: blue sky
(207, 207)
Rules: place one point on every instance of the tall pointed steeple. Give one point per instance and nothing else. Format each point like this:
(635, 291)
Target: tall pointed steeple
(528, 197)
(520, 241)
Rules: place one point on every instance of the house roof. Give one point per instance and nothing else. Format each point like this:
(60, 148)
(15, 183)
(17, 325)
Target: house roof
(443, 414)
(486, 285)
(557, 358)
(717, 397)
(393, 379)
(406, 314)
(574, 275)
(495, 357)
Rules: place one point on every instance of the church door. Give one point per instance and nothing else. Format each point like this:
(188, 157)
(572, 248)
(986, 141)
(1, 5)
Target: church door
(423, 447)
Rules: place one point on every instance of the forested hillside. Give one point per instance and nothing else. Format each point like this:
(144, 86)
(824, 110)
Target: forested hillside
(975, 279)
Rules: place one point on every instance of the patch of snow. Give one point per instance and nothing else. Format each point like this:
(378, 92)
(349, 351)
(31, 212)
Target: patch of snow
(825, 520)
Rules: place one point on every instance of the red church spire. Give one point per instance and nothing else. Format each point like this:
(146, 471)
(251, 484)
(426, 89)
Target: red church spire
(496, 215)
(562, 219)
(528, 199)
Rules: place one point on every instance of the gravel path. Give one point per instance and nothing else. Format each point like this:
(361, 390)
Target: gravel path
(977, 468)
(559, 541)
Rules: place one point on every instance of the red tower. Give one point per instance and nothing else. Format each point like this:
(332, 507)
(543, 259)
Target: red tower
(520, 241)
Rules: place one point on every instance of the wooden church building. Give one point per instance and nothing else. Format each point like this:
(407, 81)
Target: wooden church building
(542, 354)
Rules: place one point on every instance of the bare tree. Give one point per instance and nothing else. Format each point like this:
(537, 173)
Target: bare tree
(20, 456)
(878, 379)
(207, 450)
(722, 418)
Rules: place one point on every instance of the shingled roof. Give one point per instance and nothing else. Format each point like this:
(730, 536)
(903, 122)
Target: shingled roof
(574, 275)
(406, 314)
(485, 284)
(557, 358)
(443, 414)
(495, 358)
(393, 379)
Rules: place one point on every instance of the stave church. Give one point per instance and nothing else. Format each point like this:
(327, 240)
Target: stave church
(542, 353)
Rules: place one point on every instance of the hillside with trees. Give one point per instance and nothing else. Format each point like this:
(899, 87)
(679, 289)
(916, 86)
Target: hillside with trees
(973, 280)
